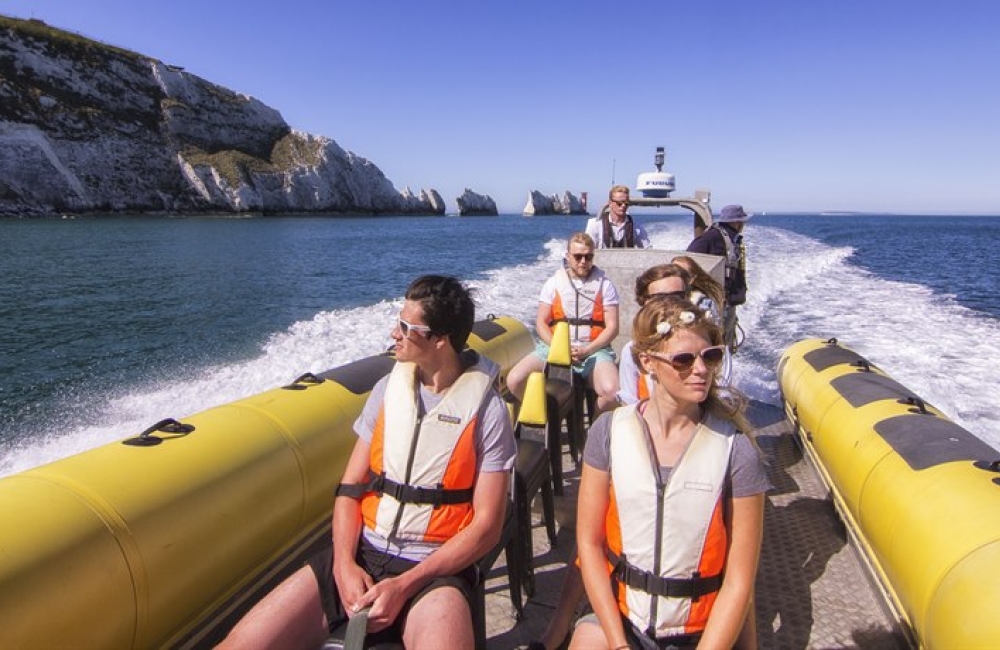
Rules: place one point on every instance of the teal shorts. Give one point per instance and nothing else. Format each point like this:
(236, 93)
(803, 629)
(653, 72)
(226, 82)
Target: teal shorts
(586, 369)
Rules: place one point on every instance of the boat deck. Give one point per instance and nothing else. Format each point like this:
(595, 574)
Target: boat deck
(812, 590)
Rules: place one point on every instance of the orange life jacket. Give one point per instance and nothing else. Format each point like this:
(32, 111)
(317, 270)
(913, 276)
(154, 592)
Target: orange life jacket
(581, 305)
(642, 390)
(423, 468)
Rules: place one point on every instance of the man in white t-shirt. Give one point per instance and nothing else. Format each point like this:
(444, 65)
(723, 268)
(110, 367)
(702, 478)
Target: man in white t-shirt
(583, 296)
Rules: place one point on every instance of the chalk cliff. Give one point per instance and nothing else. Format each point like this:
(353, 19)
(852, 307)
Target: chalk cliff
(471, 204)
(540, 204)
(85, 127)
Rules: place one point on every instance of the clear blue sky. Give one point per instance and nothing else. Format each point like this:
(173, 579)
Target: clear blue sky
(791, 105)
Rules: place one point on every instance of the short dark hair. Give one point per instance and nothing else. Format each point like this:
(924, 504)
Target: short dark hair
(448, 307)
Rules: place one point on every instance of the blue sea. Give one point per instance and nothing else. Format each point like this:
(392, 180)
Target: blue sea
(108, 325)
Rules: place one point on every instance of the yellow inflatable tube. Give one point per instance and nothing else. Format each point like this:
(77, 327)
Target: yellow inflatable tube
(135, 545)
(920, 493)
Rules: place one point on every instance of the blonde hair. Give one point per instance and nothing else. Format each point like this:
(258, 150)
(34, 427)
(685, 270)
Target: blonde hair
(701, 280)
(648, 336)
(580, 238)
(618, 188)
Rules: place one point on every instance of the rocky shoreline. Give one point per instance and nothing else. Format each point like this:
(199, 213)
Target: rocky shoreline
(91, 129)
(86, 128)
(539, 204)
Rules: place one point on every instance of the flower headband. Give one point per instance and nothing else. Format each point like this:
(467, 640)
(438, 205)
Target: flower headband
(663, 328)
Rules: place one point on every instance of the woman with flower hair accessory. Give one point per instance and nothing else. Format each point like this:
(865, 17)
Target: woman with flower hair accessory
(677, 461)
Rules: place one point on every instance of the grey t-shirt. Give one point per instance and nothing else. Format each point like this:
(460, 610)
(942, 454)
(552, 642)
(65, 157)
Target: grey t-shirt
(747, 475)
(496, 451)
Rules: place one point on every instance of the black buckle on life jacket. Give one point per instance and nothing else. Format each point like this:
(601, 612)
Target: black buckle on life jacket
(435, 496)
(694, 587)
(578, 322)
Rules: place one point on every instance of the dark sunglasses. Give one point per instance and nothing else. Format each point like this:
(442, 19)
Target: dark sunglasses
(405, 328)
(682, 361)
(669, 294)
(579, 257)
(621, 204)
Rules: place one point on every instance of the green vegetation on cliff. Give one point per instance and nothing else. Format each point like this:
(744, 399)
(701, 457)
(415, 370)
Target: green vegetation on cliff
(63, 42)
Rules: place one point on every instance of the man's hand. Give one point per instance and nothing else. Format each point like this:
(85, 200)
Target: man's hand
(352, 584)
(386, 599)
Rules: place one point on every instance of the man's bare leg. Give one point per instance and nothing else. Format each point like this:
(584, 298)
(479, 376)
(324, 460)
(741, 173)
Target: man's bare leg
(291, 616)
(588, 636)
(605, 382)
(440, 619)
(517, 378)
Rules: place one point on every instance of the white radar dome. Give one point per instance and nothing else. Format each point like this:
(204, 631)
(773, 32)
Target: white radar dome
(655, 185)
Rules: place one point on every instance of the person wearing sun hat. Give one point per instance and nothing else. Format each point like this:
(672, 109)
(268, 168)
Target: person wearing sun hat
(725, 238)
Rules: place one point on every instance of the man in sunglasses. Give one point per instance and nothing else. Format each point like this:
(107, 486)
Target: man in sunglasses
(583, 296)
(614, 227)
(422, 499)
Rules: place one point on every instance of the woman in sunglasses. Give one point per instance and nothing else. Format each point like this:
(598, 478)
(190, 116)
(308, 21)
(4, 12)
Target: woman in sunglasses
(660, 281)
(670, 280)
(671, 501)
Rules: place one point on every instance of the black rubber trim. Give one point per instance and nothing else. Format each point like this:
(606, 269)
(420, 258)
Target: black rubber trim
(925, 441)
(488, 330)
(861, 388)
(360, 376)
(830, 356)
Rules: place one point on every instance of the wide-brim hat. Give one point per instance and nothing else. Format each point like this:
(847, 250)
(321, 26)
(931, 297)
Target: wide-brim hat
(733, 214)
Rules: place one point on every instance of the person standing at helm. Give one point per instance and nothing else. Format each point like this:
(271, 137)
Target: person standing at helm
(671, 501)
(725, 238)
(614, 227)
(583, 296)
